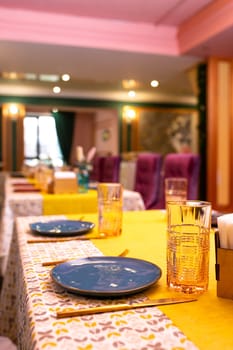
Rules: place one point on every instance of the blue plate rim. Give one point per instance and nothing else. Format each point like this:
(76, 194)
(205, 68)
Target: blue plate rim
(88, 226)
(116, 293)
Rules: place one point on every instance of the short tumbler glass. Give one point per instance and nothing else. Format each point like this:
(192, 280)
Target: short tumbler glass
(176, 189)
(188, 232)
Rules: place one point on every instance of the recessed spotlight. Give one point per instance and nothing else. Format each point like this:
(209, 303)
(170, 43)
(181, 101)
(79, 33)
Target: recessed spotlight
(129, 84)
(131, 93)
(10, 75)
(56, 89)
(30, 76)
(65, 77)
(49, 77)
(154, 83)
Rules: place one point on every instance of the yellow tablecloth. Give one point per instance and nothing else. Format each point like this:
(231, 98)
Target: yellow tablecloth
(70, 203)
(67, 203)
(207, 322)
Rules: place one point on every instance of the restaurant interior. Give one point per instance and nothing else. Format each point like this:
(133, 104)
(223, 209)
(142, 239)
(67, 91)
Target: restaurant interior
(129, 92)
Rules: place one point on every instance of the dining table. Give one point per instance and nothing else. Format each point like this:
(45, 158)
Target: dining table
(30, 297)
(22, 197)
(25, 198)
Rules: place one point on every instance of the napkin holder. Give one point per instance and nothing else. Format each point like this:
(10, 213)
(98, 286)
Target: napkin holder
(223, 270)
(65, 182)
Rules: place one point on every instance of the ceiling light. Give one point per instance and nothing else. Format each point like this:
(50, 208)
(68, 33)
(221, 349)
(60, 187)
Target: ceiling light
(10, 75)
(154, 83)
(131, 93)
(56, 89)
(48, 77)
(65, 77)
(129, 84)
(30, 76)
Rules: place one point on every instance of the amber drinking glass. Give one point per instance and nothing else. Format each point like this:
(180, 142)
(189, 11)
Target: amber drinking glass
(110, 209)
(188, 233)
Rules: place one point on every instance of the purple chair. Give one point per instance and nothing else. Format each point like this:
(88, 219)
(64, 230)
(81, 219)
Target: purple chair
(96, 173)
(110, 169)
(147, 178)
(184, 165)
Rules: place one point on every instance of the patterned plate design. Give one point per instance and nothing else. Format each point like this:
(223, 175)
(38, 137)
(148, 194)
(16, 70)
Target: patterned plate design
(106, 276)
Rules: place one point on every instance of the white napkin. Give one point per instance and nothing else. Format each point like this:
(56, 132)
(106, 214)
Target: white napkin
(225, 226)
(64, 175)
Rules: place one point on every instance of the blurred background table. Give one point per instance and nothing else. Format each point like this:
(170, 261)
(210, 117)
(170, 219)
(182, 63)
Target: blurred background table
(127, 174)
(26, 203)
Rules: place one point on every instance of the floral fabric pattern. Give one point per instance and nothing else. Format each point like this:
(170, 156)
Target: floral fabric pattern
(30, 300)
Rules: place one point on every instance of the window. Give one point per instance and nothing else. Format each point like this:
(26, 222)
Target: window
(40, 140)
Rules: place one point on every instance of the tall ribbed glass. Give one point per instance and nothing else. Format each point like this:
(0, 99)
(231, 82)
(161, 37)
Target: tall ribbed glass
(110, 199)
(188, 232)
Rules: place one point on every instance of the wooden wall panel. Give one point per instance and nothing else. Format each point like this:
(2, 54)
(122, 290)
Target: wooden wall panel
(223, 128)
(220, 155)
(12, 138)
(6, 143)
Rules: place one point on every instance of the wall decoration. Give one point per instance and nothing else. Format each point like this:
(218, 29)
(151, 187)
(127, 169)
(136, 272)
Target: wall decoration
(106, 134)
(168, 131)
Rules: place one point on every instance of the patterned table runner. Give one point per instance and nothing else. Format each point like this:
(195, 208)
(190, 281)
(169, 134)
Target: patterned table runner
(30, 300)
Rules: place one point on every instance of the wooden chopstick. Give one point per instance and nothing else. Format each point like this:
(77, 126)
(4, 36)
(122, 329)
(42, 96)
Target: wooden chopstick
(56, 262)
(120, 307)
(64, 239)
(124, 253)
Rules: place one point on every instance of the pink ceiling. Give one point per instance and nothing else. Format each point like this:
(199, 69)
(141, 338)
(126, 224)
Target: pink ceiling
(169, 12)
(197, 27)
(102, 42)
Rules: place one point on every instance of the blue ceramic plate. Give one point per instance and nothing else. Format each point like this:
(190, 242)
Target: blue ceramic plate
(106, 276)
(61, 228)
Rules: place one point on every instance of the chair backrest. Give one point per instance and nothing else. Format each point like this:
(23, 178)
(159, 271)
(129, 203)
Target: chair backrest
(96, 173)
(110, 171)
(184, 165)
(147, 177)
